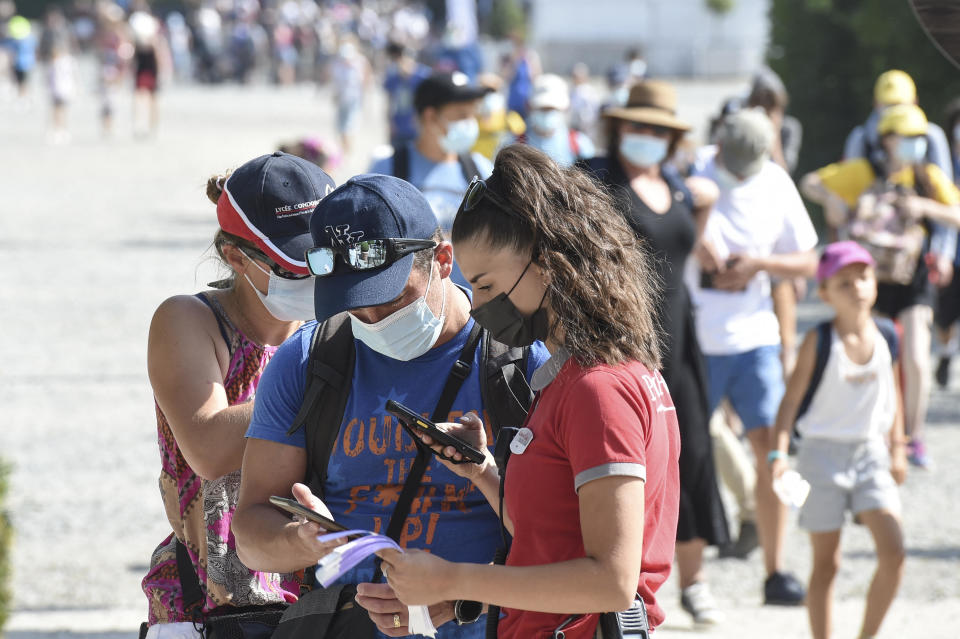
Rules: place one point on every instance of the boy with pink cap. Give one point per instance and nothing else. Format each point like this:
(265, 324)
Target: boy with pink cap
(844, 400)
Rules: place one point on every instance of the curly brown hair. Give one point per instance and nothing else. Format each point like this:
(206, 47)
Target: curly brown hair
(603, 288)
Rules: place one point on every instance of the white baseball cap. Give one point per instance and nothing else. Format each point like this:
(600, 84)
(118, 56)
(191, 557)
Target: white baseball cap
(550, 91)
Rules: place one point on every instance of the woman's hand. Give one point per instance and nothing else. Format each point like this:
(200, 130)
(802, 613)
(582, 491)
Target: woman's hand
(391, 615)
(418, 578)
(470, 429)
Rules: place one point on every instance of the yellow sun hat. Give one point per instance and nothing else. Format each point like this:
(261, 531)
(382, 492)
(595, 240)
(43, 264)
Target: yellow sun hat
(902, 119)
(894, 87)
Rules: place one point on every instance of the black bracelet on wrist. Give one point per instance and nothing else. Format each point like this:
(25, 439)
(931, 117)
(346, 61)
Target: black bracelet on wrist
(467, 611)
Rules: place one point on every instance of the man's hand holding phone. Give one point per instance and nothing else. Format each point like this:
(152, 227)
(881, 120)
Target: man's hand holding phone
(307, 530)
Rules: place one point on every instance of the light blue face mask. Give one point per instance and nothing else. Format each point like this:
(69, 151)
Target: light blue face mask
(547, 121)
(407, 333)
(912, 150)
(725, 179)
(461, 136)
(643, 150)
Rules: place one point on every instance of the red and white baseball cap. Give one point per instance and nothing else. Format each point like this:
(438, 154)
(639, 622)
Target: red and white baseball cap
(269, 201)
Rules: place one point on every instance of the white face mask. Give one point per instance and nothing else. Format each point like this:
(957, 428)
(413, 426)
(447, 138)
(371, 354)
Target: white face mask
(461, 136)
(406, 334)
(546, 121)
(912, 150)
(287, 300)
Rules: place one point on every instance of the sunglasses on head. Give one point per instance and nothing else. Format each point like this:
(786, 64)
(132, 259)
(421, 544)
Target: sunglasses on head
(275, 268)
(476, 191)
(365, 255)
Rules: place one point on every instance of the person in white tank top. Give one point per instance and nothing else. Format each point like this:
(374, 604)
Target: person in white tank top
(852, 448)
(854, 402)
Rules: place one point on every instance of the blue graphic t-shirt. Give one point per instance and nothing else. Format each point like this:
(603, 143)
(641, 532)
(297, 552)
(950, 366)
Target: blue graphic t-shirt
(373, 453)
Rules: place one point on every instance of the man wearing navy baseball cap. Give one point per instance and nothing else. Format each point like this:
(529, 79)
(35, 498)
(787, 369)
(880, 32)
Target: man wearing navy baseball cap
(440, 162)
(382, 272)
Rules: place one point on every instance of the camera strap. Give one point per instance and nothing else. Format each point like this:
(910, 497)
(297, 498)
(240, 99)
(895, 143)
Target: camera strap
(458, 375)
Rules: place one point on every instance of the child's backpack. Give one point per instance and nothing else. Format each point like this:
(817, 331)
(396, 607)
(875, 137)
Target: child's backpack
(824, 332)
(895, 241)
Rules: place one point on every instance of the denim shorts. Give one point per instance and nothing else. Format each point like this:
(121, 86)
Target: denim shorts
(752, 381)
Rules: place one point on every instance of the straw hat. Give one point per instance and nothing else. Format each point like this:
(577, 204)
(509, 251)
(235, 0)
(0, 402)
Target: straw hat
(650, 102)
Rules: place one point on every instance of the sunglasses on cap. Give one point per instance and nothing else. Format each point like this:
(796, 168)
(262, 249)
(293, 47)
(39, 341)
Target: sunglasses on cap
(476, 191)
(275, 268)
(365, 255)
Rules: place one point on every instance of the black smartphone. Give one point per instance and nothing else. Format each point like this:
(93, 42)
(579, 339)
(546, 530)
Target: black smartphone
(415, 423)
(706, 279)
(294, 507)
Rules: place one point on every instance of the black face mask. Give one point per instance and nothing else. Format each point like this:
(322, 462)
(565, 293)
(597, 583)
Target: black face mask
(507, 325)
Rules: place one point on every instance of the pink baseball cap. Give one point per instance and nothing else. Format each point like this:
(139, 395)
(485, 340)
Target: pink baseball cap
(840, 254)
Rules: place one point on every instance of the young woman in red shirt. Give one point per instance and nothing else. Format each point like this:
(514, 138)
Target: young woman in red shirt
(591, 488)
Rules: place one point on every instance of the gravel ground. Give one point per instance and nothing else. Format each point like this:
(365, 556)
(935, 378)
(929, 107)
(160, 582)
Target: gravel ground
(96, 233)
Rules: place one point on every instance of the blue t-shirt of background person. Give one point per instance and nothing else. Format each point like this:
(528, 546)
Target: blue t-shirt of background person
(442, 183)
(372, 453)
(400, 88)
(24, 52)
(521, 86)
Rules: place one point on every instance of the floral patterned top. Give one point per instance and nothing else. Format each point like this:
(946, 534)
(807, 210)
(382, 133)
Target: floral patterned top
(200, 511)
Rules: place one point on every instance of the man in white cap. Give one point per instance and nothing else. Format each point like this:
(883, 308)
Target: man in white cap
(758, 229)
(547, 128)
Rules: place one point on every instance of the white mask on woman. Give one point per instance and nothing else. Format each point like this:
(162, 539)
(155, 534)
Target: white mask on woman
(287, 300)
(406, 334)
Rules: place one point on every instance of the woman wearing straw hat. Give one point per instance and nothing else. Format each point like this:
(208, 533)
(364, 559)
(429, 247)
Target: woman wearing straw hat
(669, 213)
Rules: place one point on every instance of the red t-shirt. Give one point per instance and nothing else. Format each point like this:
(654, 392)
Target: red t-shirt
(587, 424)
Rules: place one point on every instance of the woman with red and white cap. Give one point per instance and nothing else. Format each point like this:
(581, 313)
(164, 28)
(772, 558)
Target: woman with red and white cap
(205, 355)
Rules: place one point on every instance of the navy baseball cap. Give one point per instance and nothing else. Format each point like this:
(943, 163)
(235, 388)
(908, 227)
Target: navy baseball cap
(441, 89)
(367, 207)
(269, 200)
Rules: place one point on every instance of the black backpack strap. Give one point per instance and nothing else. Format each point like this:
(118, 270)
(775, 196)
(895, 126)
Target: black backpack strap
(505, 391)
(189, 583)
(467, 166)
(401, 162)
(888, 331)
(458, 375)
(824, 330)
(332, 358)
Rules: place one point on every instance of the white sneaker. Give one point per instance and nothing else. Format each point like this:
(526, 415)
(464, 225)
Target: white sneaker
(699, 602)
